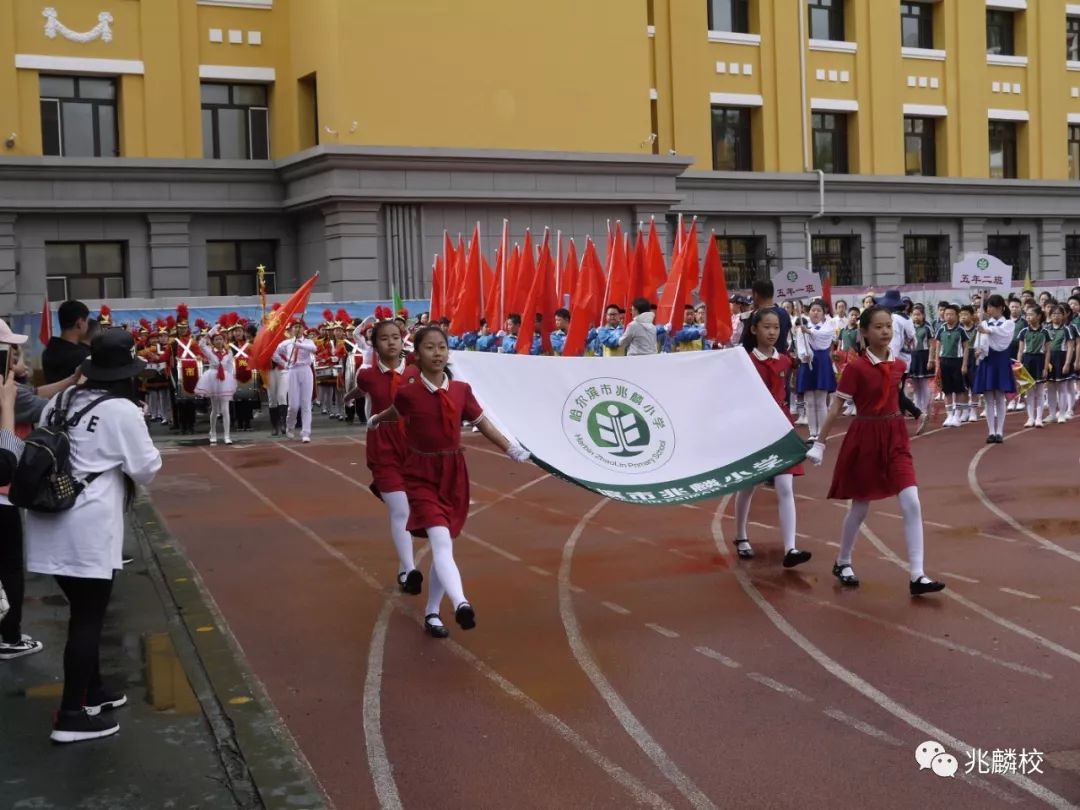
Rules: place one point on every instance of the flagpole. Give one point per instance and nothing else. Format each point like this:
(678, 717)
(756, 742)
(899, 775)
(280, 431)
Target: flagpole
(558, 265)
(504, 246)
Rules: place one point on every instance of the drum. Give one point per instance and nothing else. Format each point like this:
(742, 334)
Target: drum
(353, 364)
(326, 375)
(247, 388)
(188, 372)
(155, 376)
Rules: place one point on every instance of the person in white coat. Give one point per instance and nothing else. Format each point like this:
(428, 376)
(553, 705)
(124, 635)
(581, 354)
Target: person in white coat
(111, 451)
(298, 353)
(640, 335)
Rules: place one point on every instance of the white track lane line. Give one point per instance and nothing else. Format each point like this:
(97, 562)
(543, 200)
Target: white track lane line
(973, 483)
(948, 644)
(782, 688)
(616, 608)
(865, 688)
(986, 613)
(637, 789)
(1021, 594)
(862, 726)
(951, 575)
(709, 652)
(665, 632)
(588, 664)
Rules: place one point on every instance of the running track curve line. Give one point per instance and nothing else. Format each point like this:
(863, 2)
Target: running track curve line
(637, 790)
(973, 482)
(584, 657)
(868, 690)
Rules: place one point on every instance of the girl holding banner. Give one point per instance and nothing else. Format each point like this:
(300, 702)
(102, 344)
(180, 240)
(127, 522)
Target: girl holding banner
(875, 459)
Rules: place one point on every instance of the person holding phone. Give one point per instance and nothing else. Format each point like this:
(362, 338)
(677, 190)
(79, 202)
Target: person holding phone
(24, 412)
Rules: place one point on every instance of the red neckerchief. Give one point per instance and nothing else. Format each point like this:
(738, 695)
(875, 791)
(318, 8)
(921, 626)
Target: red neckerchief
(395, 380)
(884, 368)
(220, 355)
(771, 364)
(451, 419)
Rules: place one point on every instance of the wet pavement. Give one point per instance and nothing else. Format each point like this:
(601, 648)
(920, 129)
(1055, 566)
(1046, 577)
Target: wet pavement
(194, 718)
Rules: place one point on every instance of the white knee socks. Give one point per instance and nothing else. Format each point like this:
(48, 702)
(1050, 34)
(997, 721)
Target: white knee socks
(442, 559)
(815, 410)
(219, 405)
(991, 412)
(435, 592)
(999, 404)
(742, 512)
(913, 530)
(398, 505)
(785, 499)
(852, 521)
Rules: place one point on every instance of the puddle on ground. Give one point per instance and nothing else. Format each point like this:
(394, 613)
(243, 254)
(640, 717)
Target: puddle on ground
(167, 684)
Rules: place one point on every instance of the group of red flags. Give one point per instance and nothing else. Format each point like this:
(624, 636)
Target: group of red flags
(534, 282)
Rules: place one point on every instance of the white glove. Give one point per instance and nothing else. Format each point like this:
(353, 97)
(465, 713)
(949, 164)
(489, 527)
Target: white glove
(373, 420)
(816, 453)
(518, 453)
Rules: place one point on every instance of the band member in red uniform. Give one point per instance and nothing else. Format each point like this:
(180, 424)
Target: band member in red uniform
(386, 451)
(435, 473)
(875, 459)
(156, 378)
(774, 369)
(247, 394)
(187, 360)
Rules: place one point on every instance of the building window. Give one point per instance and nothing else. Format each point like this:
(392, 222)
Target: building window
(826, 19)
(84, 270)
(917, 25)
(235, 121)
(840, 257)
(830, 142)
(745, 260)
(78, 116)
(1003, 150)
(1072, 256)
(231, 267)
(1000, 32)
(731, 139)
(926, 260)
(729, 15)
(1074, 152)
(1015, 251)
(920, 147)
(1072, 39)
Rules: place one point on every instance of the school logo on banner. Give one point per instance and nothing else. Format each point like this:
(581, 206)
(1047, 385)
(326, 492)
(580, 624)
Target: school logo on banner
(618, 426)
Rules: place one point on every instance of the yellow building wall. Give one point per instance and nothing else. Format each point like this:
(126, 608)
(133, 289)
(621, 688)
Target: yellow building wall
(491, 75)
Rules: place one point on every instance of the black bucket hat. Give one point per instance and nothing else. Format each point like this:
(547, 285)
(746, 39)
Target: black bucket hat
(112, 357)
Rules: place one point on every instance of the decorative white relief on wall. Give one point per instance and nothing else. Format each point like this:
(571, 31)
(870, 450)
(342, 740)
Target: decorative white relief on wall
(101, 31)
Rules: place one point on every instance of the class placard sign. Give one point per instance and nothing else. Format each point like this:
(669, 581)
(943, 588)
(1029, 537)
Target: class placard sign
(981, 271)
(794, 284)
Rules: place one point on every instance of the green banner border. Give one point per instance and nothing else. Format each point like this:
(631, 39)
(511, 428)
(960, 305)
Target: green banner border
(789, 450)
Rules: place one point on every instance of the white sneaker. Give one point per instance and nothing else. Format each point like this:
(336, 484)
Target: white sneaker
(24, 646)
(228, 440)
(1061, 420)
(1039, 422)
(289, 434)
(213, 440)
(802, 420)
(305, 439)
(1029, 423)
(1011, 406)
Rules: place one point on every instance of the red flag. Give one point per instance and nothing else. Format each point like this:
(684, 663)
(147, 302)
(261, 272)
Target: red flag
(455, 278)
(637, 268)
(826, 290)
(655, 269)
(714, 294)
(525, 272)
(538, 301)
(466, 314)
(618, 275)
(45, 333)
(568, 278)
(277, 321)
(681, 282)
(496, 292)
(585, 301)
(510, 294)
(438, 290)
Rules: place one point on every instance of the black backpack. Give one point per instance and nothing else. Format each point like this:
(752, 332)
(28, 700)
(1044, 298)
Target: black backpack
(43, 481)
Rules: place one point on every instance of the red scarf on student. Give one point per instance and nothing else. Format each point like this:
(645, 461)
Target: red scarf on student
(220, 355)
(451, 419)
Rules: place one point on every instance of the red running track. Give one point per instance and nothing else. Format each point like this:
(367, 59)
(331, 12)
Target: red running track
(624, 657)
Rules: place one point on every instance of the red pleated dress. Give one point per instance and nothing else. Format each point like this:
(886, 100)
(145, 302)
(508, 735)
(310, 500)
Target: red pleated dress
(386, 449)
(774, 373)
(875, 459)
(436, 476)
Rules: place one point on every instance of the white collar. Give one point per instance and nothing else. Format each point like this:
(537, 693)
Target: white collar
(760, 356)
(873, 358)
(400, 367)
(432, 387)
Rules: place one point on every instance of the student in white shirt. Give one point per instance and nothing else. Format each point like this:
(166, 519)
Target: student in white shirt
(994, 376)
(82, 546)
(299, 355)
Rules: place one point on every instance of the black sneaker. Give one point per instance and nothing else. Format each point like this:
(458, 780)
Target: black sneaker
(96, 701)
(24, 646)
(81, 725)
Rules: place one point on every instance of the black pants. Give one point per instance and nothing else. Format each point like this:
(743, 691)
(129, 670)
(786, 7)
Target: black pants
(185, 413)
(244, 410)
(906, 405)
(12, 572)
(82, 668)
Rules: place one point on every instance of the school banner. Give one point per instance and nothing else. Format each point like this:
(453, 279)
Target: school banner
(655, 429)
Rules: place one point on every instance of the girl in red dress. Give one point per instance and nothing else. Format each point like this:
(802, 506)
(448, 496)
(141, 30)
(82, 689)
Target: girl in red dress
(875, 459)
(774, 369)
(386, 452)
(435, 474)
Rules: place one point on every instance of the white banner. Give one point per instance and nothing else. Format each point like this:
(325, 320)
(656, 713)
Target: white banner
(654, 429)
(983, 272)
(796, 284)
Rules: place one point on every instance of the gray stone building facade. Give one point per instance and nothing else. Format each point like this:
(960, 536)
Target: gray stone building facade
(368, 217)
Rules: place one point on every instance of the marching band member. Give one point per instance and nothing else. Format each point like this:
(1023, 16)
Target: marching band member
(277, 390)
(187, 363)
(156, 355)
(218, 382)
(247, 394)
(298, 355)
